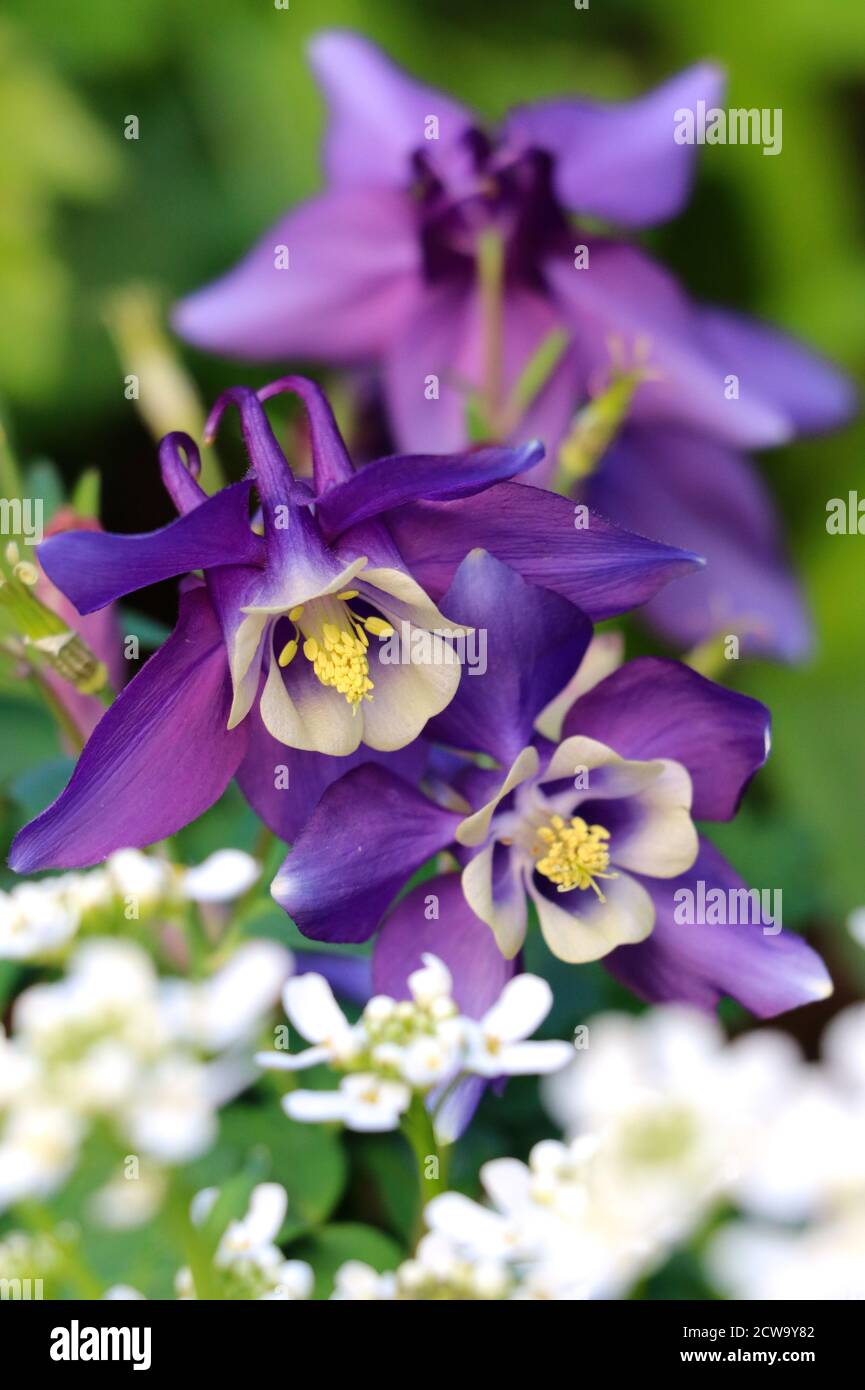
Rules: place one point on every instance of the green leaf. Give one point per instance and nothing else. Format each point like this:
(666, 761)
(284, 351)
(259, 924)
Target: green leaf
(333, 1245)
(27, 737)
(307, 1159)
(86, 495)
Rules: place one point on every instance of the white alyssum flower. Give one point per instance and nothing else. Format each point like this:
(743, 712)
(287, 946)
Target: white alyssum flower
(248, 1262)
(808, 1160)
(128, 1200)
(143, 878)
(227, 1008)
(677, 1110)
(39, 919)
(36, 920)
(110, 1041)
(824, 1261)
(38, 1148)
(404, 1048)
(221, 878)
(542, 1225)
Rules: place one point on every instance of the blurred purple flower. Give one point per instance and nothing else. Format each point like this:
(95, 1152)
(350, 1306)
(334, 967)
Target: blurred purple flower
(594, 826)
(383, 268)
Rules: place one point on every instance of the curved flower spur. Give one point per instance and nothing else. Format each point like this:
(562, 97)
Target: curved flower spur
(272, 661)
(591, 820)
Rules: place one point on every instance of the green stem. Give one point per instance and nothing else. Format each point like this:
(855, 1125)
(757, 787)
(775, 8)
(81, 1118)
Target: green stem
(431, 1160)
(490, 270)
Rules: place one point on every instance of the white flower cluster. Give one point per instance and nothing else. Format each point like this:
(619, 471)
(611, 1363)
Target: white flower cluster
(400, 1049)
(802, 1235)
(39, 919)
(247, 1263)
(664, 1117)
(111, 1041)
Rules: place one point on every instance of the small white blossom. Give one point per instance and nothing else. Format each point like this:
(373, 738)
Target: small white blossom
(497, 1045)
(420, 1046)
(362, 1102)
(35, 920)
(247, 1257)
(223, 876)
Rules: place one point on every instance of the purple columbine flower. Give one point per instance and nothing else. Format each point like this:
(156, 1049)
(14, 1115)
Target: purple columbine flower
(276, 672)
(416, 189)
(383, 266)
(589, 816)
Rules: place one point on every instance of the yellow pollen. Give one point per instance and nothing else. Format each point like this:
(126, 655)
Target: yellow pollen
(378, 627)
(574, 854)
(336, 646)
(295, 613)
(347, 594)
(288, 652)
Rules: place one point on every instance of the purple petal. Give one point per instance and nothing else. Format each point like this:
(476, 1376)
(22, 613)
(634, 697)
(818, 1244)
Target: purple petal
(653, 708)
(352, 276)
(535, 640)
(444, 337)
(331, 464)
(601, 568)
(95, 567)
(687, 490)
(390, 482)
(700, 964)
(368, 834)
(159, 757)
(349, 976)
(298, 560)
(180, 466)
(622, 295)
(811, 393)
(459, 938)
(620, 162)
(378, 115)
(268, 766)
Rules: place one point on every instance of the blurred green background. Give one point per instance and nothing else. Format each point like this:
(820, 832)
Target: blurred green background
(229, 137)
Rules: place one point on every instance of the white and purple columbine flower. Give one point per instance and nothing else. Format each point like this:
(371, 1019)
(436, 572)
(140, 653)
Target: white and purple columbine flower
(595, 828)
(276, 658)
(416, 189)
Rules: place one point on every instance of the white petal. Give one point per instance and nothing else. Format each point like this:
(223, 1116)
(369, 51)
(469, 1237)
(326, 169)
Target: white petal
(315, 1107)
(627, 916)
(406, 695)
(202, 1205)
(223, 876)
(604, 655)
(245, 653)
(470, 1225)
(302, 713)
(507, 1183)
(664, 843)
(433, 981)
(535, 1058)
(268, 1203)
(412, 603)
(309, 1003)
(295, 1279)
(292, 1061)
(475, 828)
(524, 1003)
(507, 917)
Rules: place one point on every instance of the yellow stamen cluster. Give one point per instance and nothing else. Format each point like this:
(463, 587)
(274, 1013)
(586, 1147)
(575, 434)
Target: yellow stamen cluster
(574, 854)
(336, 643)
